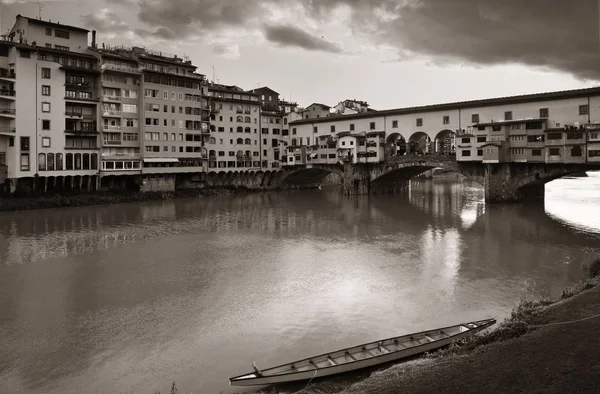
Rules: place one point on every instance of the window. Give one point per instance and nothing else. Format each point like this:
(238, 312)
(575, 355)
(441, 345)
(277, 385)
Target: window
(536, 152)
(24, 144)
(48, 31)
(61, 48)
(45, 124)
(45, 106)
(583, 110)
(332, 128)
(576, 151)
(394, 124)
(351, 127)
(24, 161)
(419, 122)
(479, 152)
(554, 152)
(508, 115)
(446, 120)
(481, 138)
(475, 118)
(543, 112)
(45, 73)
(315, 129)
(27, 55)
(61, 34)
(465, 140)
(45, 90)
(372, 126)
(466, 153)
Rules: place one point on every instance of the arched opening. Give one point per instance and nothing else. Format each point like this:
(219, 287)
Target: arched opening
(247, 130)
(239, 141)
(240, 129)
(444, 143)
(212, 140)
(247, 141)
(239, 119)
(419, 144)
(395, 145)
(247, 119)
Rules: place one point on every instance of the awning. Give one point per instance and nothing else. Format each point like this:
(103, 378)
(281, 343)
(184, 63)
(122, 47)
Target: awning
(314, 156)
(161, 160)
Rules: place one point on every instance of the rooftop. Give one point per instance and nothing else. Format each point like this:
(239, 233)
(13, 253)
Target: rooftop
(49, 23)
(557, 95)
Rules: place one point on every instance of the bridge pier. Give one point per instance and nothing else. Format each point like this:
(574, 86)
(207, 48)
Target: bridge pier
(514, 182)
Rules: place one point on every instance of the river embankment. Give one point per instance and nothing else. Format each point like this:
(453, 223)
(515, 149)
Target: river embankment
(544, 346)
(22, 203)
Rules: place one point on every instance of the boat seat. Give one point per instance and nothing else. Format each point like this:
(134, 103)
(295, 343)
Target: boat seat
(429, 338)
(383, 349)
(444, 334)
(351, 356)
(331, 361)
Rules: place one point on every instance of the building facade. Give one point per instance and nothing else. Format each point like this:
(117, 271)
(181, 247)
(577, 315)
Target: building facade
(556, 127)
(234, 143)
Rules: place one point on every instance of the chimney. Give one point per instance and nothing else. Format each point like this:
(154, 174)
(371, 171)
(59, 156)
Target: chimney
(94, 39)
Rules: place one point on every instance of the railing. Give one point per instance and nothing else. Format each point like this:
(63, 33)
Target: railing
(7, 111)
(111, 128)
(81, 131)
(113, 98)
(74, 114)
(78, 84)
(6, 73)
(8, 130)
(115, 67)
(6, 92)
(76, 98)
(109, 113)
(112, 142)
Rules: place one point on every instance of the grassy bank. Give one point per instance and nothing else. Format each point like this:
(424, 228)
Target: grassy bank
(20, 203)
(544, 346)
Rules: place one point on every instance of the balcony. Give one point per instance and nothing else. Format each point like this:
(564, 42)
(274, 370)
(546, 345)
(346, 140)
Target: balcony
(86, 131)
(111, 98)
(74, 84)
(111, 113)
(80, 68)
(6, 93)
(7, 74)
(111, 128)
(8, 130)
(124, 69)
(9, 112)
(84, 99)
(112, 142)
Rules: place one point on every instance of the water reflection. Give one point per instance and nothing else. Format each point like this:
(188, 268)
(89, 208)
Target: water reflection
(131, 297)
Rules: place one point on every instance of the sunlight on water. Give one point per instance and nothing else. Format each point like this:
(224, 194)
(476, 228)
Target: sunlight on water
(576, 206)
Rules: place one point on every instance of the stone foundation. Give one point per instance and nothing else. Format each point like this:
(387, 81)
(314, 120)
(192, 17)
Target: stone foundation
(158, 183)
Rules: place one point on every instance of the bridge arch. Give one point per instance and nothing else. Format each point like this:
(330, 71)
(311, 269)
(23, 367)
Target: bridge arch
(409, 167)
(309, 176)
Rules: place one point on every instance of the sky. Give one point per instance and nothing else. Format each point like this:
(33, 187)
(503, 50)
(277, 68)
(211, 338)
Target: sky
(390, 53)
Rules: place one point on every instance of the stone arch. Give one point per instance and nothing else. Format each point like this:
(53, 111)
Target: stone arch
(221, 177)
(405, 170)
(395, 145)
(419, 143)
(444, 142)
(309, 177)
(212, 178)
(265, 178)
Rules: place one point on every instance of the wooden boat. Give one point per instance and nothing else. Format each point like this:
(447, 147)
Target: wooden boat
(361, 356)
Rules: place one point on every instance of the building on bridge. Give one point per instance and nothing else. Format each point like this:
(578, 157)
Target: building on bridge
(556, 127)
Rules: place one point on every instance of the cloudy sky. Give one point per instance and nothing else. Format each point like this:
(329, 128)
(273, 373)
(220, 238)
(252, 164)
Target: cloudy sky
(391, 53)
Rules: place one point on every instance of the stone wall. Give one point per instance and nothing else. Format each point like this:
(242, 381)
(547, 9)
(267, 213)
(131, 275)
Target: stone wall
(158, 184)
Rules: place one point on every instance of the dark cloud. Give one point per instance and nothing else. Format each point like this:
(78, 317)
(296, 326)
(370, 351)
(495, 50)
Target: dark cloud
(294, 37)
(161, 33)
(187, 16)
(552, 34)
(105, 21)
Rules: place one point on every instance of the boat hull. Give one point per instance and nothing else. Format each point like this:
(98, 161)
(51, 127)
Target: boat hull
(351, 366)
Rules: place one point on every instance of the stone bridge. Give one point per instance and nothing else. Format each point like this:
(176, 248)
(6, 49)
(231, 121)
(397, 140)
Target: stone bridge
(503, 182)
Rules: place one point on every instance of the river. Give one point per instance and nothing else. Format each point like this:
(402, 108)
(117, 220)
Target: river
(129, 298)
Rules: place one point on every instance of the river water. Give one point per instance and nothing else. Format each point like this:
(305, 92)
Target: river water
(129, 298)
